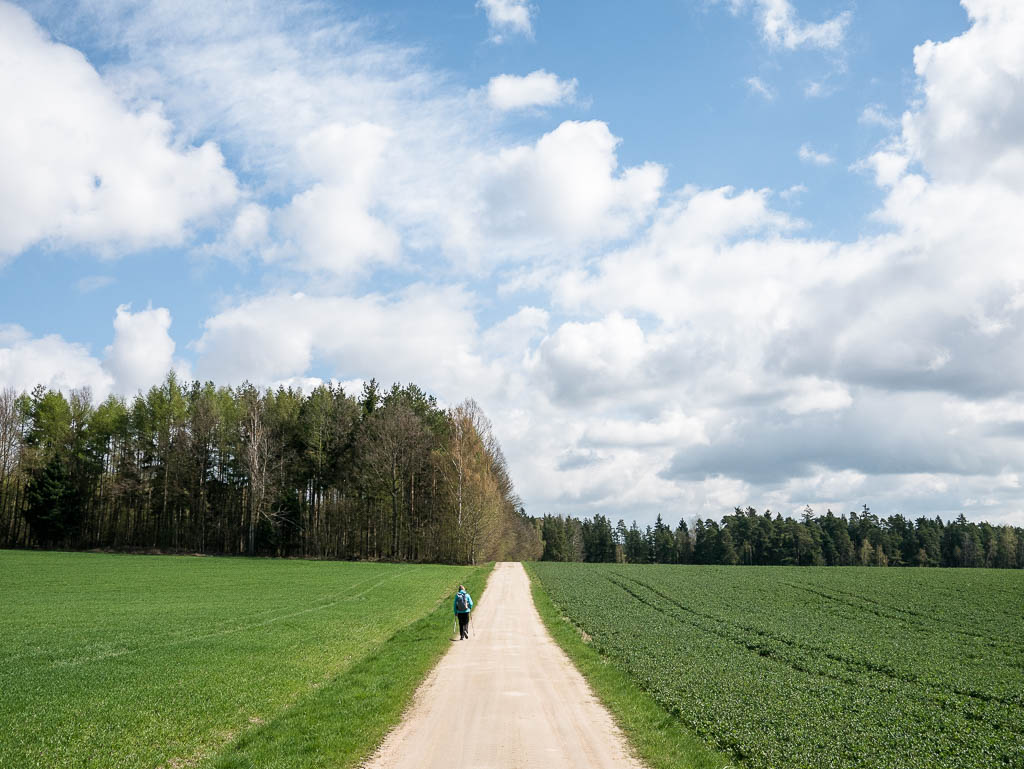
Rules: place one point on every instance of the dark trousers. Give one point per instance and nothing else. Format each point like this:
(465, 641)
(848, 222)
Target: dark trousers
(463, 625)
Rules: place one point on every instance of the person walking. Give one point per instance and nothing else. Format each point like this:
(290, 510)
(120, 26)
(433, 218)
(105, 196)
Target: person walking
(463, 606)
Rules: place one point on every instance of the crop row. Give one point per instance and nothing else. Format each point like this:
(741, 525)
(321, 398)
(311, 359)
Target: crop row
(816, 667)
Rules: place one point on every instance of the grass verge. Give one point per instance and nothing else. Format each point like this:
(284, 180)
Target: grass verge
(657, 737)
(343, 721)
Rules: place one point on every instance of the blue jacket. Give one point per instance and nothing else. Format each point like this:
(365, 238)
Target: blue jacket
(469, 601)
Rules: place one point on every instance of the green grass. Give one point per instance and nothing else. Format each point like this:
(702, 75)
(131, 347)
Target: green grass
(149, 661)
(344, 720)
(657, 737)
(795, 667)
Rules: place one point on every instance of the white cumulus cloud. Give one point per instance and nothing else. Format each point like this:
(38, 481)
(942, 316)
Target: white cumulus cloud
(82, 168)
(781, 26)
(140, 356)
(538, 89)
(423, 334)
(142, 352)
(27, 361)
(563, 191)
(330, 225)
(972, 119)
(507, 16)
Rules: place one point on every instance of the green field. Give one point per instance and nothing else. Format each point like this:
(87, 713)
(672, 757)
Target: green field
(815, 667)
(152, 661)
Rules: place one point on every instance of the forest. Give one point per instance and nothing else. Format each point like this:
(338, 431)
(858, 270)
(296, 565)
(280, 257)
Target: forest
(385, 475)
(749, 538)
(192, 467)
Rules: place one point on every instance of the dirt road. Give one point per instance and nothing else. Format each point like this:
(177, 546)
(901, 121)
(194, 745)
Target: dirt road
(507, 697)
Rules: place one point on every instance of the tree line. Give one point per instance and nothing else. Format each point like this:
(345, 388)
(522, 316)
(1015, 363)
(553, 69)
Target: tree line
(192, 467)
(747, 537)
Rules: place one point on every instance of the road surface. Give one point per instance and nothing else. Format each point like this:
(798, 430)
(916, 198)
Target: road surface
(508, 698)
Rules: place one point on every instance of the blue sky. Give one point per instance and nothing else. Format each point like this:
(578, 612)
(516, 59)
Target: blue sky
(687, 255)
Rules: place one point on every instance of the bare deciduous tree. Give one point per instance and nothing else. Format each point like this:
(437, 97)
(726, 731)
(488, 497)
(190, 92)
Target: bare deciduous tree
(254, 438)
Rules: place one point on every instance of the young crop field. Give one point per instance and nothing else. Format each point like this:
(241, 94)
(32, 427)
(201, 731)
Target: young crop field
(816, 667)
(151, 661)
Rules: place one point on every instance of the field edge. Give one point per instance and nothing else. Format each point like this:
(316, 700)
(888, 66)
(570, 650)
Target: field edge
(655, 735)
(343, 722)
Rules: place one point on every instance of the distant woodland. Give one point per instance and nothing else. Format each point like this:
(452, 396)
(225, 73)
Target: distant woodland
(191, 467)
(385, 475)
(747, 537)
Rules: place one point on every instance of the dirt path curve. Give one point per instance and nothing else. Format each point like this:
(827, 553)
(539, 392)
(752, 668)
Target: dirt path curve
(507, 697)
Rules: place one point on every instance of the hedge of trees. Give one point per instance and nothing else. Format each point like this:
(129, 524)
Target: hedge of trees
(192, 467)
(749, 538)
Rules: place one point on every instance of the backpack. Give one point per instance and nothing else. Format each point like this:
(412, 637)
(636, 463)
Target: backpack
(461, 602)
